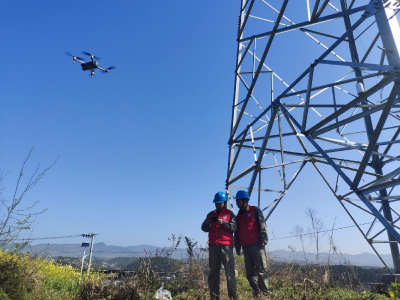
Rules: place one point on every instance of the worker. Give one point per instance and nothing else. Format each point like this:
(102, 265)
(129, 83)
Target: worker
(252, 237)
(220, 225)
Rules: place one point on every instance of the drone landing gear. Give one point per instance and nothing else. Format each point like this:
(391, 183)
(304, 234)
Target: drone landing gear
(91, 73)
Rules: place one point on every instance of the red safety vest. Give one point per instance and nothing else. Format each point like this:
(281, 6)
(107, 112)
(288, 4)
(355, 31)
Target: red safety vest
(249, 231)
(218, 235)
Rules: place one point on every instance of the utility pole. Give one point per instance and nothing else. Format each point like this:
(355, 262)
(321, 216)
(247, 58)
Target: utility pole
(90, 235)
(84, 245)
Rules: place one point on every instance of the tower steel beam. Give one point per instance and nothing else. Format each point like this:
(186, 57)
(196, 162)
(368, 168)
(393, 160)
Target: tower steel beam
(390, 35)
(264, 56)
(231, 156)
(358, 99)
(306, 24)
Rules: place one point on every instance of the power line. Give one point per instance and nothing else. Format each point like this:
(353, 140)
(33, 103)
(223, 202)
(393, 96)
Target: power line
(279, 238)
(322, 231)
(49, 238)
(133, 252)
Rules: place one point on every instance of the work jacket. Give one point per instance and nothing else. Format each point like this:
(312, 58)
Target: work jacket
(251, 227)
(220, 234)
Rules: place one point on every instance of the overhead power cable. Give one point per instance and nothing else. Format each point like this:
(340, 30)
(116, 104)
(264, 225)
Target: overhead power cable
(49, 238)
(132, 252)
(322, 231)
(279, 238)
(138, 252)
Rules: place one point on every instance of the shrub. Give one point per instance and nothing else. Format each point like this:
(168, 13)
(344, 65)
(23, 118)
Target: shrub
(25, 277)
(18, 275)
(3, 295)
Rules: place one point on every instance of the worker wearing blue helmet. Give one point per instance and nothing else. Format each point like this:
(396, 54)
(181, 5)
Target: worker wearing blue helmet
(252, 236)
(220, 225)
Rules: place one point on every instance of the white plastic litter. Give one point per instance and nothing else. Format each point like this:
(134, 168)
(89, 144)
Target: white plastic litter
(163, 294)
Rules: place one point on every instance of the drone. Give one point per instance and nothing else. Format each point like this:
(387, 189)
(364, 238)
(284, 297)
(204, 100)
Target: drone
(90, 65)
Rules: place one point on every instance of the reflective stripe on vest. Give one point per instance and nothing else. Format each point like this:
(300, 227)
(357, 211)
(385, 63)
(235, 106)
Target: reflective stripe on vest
(249, 231)
(218, 235)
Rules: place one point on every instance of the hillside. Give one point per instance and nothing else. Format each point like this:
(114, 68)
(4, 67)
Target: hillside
(161, 264)
(118, 263)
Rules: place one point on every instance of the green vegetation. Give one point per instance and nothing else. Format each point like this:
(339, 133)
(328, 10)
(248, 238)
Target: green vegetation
(23, 277)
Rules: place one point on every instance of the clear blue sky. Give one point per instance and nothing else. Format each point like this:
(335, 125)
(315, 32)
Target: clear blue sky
(142, 149)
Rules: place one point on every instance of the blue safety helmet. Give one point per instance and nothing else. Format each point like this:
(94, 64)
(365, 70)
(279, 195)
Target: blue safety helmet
(219, 197)
(242, 195)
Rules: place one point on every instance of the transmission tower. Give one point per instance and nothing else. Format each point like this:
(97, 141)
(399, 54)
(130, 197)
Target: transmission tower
(317, 82)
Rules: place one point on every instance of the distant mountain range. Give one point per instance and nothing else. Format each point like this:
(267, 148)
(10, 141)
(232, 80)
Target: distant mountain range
(101, 250)
(364, 259)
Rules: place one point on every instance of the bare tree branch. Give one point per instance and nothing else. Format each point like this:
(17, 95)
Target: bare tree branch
(17, 219)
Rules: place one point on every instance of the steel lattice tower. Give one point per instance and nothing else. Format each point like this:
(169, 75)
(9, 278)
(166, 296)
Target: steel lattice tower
(317, 82)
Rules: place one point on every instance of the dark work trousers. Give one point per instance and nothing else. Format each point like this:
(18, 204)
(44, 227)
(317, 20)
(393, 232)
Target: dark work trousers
(221, 254)
(256, 268)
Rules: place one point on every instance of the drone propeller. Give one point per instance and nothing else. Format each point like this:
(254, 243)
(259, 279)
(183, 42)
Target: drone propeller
(69, 54)
(109, 68)
(87, 53)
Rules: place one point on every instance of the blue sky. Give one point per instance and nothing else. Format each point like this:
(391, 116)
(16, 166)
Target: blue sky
(142, 149)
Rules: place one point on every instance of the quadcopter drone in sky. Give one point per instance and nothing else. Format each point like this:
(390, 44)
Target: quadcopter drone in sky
(90, 65)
